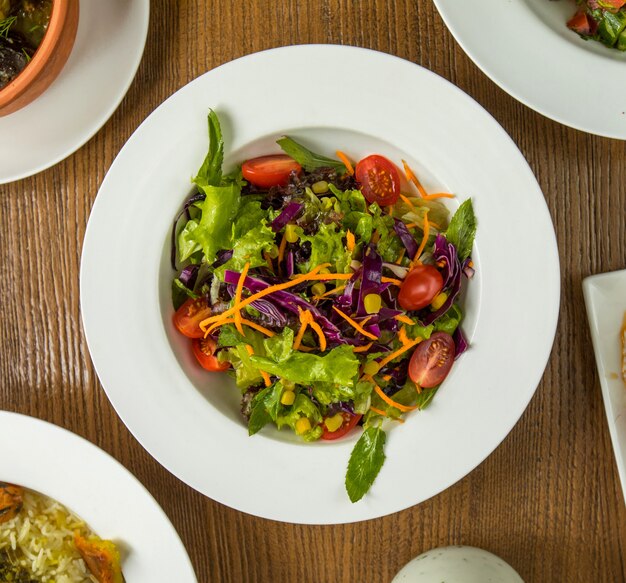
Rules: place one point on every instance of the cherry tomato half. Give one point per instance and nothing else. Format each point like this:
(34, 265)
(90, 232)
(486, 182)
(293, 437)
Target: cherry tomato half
(379, 180)
(204, 350)
(432, 360)
(419, 287)
(349, 422)
(268, 171)
(188, 317)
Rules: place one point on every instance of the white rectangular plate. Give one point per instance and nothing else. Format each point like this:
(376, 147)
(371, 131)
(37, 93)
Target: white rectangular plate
(605, 297)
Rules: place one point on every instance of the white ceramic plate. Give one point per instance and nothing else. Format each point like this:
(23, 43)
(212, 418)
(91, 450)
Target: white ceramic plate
(189, 420)
(109, 44)
(605, 297)
(525, 47)
(59, 464)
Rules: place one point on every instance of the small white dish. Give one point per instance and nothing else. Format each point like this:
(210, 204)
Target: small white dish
(109, 45)
(526, 48)
(605, 298)
(457, 564)
(188, 419)
(59, 464)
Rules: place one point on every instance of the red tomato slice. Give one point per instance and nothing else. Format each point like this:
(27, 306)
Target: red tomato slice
(188, 317)
(268, 171)
(349, 422)
(432, 360)
(419, 287)
(580, 23)
(379, 180)
(204, 349)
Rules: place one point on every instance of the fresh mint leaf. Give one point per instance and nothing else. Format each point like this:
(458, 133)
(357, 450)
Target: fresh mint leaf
(259, 416)
(210, 173)
(462, 229)
(307, 159)
(365, 462)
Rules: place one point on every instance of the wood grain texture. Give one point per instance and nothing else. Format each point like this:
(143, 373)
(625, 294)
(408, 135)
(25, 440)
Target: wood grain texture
(548, 500)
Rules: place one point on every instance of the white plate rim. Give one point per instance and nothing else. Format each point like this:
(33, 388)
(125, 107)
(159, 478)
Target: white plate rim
(98, 238)
(611, 388)
(104, 490)
(70, 81)
(552, 55)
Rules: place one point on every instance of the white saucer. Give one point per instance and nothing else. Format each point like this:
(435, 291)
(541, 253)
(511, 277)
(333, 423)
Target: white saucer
(109, 45)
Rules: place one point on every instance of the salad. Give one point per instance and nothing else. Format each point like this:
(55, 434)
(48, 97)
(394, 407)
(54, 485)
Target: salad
(328, 293)
(601, 20)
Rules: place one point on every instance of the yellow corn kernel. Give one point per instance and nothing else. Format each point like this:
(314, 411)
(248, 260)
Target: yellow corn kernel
(371, 368)
(302, 425)
(318, 289)
(324, 270)
(320, 187)
(333, 423)
(439, 300)
(372, 303)
(287, 398)
(290, 233)
(273, 252)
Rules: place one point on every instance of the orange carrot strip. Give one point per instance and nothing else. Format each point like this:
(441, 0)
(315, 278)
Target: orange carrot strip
(381, 412)
(268, 290)
(420, 249)
(404, 319)
(364, 348)
(402, 337)
(268, 260)
(281, 249)
(238, 291)
(401, 256)
(438, 195)
(410, 225)
(330, 292)
(407, 200)
(320, 334)
(356, 326)
(391, 402)
(398, 352)
(350, 241)
(266, 377)
(329, 276)
(245, 322)
(391, 280)
(346, 162)
(412, 178)
(304, 322)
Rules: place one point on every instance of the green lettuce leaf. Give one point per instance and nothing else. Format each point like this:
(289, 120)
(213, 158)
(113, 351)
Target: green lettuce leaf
(462, 229)
(339, 366)
(302, 407)
(210, 173)
(327, 246)
(307, 159)
(265, 407)
(450, 321)
(249, 215)
(327, 393)
(367, 458)
(249, 248)
(187, 244)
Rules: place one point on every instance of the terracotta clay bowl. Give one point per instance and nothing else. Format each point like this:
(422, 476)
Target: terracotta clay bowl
(48, 60)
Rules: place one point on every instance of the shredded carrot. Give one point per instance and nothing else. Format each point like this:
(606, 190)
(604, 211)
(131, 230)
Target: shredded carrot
(404, 319)
(268, 290)
(330, 292)
(432, 224)
(391, 402)
(305, 319)
(410, 225)
(402, 337)
(407, 200)
(356, 326)
(350, 241)
(420, 249)
(390, 210)
(387, 377)
(268, 260)
(346, 162)
(398, 352)
(401, 256)
(242, 278)
(412, 178)
(329, 276)
(281, 250)
(418, 389)
(436, 225)
(391, 280)
(245, 322)
(320, 334)
(364, 348)
(249, 349)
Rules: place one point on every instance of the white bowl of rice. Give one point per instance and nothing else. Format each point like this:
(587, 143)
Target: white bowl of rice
(58, 494)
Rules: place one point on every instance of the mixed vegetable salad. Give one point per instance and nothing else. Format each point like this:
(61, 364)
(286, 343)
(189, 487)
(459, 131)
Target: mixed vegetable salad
(327, 293)
(601, 20)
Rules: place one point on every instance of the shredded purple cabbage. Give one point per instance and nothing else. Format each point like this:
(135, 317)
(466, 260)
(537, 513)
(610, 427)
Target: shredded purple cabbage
(289, 213)
(222, 257)
(405, 236)
(460, 343)
(189, 275)
(468, 271)
(289, 264)
(371, 277)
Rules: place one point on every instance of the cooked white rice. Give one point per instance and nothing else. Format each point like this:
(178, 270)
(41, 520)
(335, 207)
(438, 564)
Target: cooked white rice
(41, 536)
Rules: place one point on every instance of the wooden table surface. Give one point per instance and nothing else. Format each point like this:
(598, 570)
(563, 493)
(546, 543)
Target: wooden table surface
(548, 500)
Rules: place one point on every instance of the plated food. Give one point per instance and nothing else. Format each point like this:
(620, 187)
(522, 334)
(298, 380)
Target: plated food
(42, 541)
(190, 420)
(601, 20)
(23, 24)
(328, 293)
